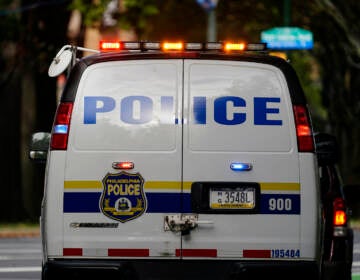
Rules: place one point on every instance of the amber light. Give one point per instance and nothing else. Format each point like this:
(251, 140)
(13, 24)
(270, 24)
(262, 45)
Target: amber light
(339, 218)
(170, 46)
(234, 46)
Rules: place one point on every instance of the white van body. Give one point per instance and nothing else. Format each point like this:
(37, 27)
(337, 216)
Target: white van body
(181, 166)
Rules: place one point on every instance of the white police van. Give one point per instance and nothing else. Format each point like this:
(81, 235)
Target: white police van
(180, 161)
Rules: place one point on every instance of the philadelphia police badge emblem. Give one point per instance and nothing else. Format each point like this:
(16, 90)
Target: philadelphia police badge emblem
(123, 198)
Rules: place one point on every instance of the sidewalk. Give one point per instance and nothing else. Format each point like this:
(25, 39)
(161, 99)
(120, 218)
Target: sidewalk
(19, 231)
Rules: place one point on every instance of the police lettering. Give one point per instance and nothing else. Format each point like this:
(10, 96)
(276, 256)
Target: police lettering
(123, 189)
(228, 110)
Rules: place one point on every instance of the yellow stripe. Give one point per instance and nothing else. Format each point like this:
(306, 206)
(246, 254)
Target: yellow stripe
(280, 186)
(82, 185)
(159, 185)
(187, 185)
(172, 185)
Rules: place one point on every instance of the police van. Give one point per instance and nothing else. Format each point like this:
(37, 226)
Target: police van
(180, 161)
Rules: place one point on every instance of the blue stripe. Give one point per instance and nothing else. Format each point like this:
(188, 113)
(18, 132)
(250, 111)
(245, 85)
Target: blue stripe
(81, 202)
(88, 202)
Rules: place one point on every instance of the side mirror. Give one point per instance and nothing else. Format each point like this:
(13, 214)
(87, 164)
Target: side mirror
(327, 149)
(39, 146)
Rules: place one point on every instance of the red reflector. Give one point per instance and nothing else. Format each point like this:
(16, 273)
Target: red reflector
(340, 217)
(59, 141)
(61, 126)
(303, 129)
(209, 253)
(72, 252)
(256, 253)
(128, 252)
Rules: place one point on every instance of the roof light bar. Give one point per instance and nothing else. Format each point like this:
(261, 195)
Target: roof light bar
(180, 46)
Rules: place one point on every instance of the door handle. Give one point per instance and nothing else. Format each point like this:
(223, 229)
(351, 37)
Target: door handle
(183, 223)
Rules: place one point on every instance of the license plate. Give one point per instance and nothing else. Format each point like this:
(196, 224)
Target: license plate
(230, 198)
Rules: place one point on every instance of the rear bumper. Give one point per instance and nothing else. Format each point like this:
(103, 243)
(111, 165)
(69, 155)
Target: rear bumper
(176, 270)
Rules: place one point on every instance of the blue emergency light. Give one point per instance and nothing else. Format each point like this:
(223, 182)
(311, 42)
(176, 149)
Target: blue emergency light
(240, 166)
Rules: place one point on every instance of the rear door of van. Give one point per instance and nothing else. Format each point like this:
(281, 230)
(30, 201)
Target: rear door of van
(241, 163)
(124, 160)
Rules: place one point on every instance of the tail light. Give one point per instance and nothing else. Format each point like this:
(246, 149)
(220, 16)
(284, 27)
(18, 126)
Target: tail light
(339, 217)
(303, 129)
(60, 132)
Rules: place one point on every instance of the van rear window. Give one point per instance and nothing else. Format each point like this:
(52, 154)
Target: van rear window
(127, 106)
(237, 106)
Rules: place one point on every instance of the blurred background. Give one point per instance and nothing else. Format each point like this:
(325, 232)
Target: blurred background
(32, 32)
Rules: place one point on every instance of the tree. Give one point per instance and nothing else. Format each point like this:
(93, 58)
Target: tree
(31, 33)
(337, 31)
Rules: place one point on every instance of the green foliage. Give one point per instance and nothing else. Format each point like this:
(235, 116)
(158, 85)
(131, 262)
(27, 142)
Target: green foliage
(92, 11)
(308, 72)
(136, 14)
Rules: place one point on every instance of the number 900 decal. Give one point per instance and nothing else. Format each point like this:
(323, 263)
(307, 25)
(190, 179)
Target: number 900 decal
(285, 253)
(280, 204)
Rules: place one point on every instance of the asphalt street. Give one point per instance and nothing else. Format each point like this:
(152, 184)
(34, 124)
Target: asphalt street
(20, 258)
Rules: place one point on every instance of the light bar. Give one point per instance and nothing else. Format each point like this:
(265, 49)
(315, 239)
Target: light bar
(180, 46)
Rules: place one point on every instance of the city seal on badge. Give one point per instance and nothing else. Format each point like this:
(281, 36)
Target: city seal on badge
(123, 198)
